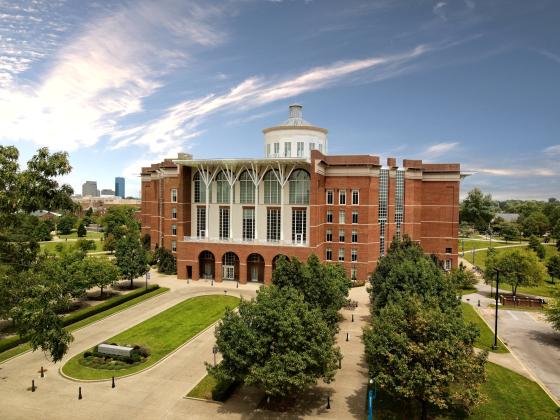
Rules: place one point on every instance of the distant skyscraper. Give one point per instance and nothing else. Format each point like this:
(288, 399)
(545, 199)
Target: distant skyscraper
(107, 191)
(119, 187)
(90, 189)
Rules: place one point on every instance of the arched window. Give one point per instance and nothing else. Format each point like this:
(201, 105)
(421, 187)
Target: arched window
(199, 189)
(299, 187)
(247, 189)
(271, 188)
(222, 186)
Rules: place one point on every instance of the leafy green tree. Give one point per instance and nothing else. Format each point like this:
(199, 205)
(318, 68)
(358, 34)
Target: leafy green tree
(520, 268)
(553, 267)
(552, 310)
(166, 262)
(119, 221)
(510, 232)
(131, 258)
(146, 241)
(85, 245)
(407, 270)
(462, 278)
(66, 223)
(478, 209)
(99, 272)
(535, 224)
(277, 342)
(417, 351)
(82, 232)
(110, 243)
(323, 285)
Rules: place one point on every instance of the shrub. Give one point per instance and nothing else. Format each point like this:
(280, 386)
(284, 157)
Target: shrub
(85, 245)
(59, 247)
(87, 354)
(223, 390)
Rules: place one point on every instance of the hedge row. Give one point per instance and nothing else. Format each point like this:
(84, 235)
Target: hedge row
(11, 342)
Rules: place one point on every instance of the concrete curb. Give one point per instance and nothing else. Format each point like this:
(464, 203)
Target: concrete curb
(148, 367)
(95, 322)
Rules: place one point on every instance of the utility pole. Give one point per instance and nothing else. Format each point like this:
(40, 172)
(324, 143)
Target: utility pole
(495, 346)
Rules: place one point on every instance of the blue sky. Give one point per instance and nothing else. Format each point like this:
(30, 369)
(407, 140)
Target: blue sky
(120, 84)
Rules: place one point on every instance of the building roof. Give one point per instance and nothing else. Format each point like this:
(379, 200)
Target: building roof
(508, 217)
(196, 163)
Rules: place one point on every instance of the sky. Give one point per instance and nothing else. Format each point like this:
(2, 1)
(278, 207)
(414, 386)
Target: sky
(122, 84)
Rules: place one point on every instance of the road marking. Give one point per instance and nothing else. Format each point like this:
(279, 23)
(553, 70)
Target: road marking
(513, 315)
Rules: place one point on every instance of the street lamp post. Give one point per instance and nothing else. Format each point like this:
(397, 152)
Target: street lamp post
(495, 346)
(215, 351)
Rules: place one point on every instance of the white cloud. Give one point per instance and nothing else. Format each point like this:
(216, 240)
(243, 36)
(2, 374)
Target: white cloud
(516, 172)
(553, 150)
(439, 149)
(106, 72)
(439, 10)
(181, 122)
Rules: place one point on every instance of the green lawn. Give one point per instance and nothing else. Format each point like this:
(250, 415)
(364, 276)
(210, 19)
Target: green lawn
(508, 396)
(25, 346)
(161, 334)
(204, 388)
(470, 244)
(486, 338)
(51, 246)
(89, 235)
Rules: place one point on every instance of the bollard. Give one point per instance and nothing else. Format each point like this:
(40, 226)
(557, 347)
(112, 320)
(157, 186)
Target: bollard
(237, 287)
(80, 393)
(352, 317)
(328, 402)
(188, 280)
(225, 292)
(212, 282)
(479, 303)
(42, 372)
(113, 382)
(32, 385)
(340, 363)
(346, 336)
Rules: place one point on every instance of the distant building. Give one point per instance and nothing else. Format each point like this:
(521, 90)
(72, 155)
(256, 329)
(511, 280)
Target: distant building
(45, 215)
(119, 187)
(101, 204)
(508, 217)
(89, 189)
(107, 191)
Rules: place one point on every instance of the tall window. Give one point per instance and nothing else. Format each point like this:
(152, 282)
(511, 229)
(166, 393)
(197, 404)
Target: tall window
(399, 202)
(299, 226)
(341, 255)
(199, 189)
(174, 229)
(299, 149)
(342, 197)
(173, 246)
(355, 197)
(222, 186)
(382, 213)
(276, 149)
(328, 235)
(328, 254)
(268, 150)
(248, 224)
(354, 273)
(271, 188)
(354, 255)
(330, 197)
(200, 222)
(340, 236)
(174, 213)
(247, 189)
(311, 147)
(287, 149)
(329, 216)
(354, 236)
(272, 224)
(341, 216)
(320, 148)
(224, 223)
(299, 187)
(354, 217)
(173, 195)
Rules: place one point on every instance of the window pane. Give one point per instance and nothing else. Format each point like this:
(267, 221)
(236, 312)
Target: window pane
(200, 221)
(271, 188)
(299, 226)
(247, 189)
(272, 225)
(248, 224)
(299, 187)
(223, 188)
(224, 222)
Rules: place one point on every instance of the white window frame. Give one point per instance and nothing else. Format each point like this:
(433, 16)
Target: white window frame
(341, 235)
(354, 255)
(341, 197)
(341, 217)
(328, 235)
(341, 254)
(329, 213)
(355, 213)
(174, 213)
(174, 230)
(173, 246)
(356, 194)
(354, 236)
(173, 195)
(328, 254)
(329, 194)
(288, 149)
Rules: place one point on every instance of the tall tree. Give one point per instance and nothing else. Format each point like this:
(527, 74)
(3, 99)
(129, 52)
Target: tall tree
(130, 258)
(99, 272)
(277, 342)
(520, 268)
(552, 310)
(66, 223)
(478, 209)
(417, 351)
(81, 230)
(166, 261)
(553, 267)
(535, 224)
(119, 221)
(509, 232)
(323, 285)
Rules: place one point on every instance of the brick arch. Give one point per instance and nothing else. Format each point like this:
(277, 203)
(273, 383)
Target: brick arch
(207, 264)
(230, 259)
(255, 268)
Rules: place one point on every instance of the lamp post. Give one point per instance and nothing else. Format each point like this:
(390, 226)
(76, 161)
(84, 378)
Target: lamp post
(215, 351)
(495, 346)
(372, 394)
(463, 246)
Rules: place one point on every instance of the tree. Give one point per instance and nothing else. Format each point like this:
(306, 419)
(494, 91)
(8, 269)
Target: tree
(166, 262)
(323, 285)
(462, 278)
(510, 232)
(535, 245)
(415, 350)
(146, 241)
(66, 223)
(552, 310)
(99, 272)
(85, 245)
(81, 230)
(478, 209)
(119, 221)
(535, 224)
(131, 258)
(553, 267)
(407, 270)
(277, 342)
(520, 268)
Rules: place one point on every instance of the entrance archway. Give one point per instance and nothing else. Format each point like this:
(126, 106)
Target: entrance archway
(230, 266)
(206, 265)
(275, 260)
(255, 268)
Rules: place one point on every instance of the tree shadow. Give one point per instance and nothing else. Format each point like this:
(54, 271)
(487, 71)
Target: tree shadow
(549, 338)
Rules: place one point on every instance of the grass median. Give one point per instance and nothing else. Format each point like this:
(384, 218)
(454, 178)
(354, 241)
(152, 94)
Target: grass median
(486, 338)
(161, 334)
(92, 314)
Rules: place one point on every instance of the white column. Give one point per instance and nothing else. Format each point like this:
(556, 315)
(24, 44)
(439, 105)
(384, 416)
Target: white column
(282, 215)
(206, 216)
(256, 211)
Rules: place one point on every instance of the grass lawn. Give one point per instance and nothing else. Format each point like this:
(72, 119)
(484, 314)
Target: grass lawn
(161, 334)
(25, 346)
(472, 244)
(486, 338)
(469, 291)
(508, 396)
(204, 388)
(51, 246)
(89, 235)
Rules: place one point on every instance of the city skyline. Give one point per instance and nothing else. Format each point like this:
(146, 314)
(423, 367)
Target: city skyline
(121, 84)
